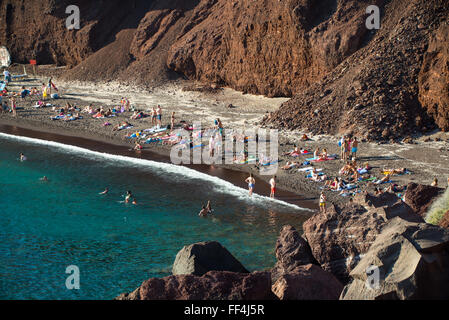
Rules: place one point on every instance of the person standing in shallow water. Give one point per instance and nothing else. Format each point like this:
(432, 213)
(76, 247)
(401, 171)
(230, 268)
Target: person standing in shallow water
(251, 183)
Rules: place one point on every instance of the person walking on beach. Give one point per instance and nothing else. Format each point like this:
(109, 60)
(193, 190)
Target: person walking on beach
(340, 144)
(251, 183)
(211, 146)
(344, 149)
(13, 107)
(322, 203)
(273, 186)
(159, 115)
(172, 121)
(7, 76)
(355, 145)
(153, 117)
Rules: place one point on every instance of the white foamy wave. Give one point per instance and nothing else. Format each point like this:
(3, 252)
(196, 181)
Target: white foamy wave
(220, 184)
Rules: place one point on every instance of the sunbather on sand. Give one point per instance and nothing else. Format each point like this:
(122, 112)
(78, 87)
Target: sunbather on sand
(324, 155)
(295, 151)
(394, 171)
(316, 177)
(121, 126)
(383, 180)
(305, 138)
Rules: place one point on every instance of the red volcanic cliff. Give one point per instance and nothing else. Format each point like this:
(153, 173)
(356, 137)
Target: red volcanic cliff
(342, 77)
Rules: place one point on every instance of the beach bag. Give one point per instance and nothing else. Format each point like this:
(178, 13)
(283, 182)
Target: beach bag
(55, 96)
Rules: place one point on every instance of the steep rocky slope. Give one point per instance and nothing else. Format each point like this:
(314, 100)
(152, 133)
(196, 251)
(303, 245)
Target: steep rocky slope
(343, 77)
(374, 93)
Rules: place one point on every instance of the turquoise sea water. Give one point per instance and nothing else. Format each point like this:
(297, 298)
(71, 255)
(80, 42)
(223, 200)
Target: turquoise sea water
(47, 226)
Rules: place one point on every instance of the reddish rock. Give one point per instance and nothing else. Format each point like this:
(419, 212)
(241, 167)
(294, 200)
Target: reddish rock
(444, 222)
(214, 285)
(434, 78)
(308, 282)
(292, 251)
(374, 92)
(340, 236)
(419, 197)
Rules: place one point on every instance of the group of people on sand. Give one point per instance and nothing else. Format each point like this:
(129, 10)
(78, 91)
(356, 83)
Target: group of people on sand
(348, 148)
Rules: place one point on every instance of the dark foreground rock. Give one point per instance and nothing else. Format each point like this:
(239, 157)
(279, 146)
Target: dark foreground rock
(214, 285)
(199, 258)
(307, 282)
(340, 236)
(419, 197)
(292, 251)
(412, 260)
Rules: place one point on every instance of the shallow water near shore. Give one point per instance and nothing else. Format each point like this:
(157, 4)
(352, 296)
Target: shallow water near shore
(49, 226)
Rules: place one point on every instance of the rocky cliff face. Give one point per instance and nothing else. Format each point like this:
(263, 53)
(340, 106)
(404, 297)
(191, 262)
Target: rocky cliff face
(374, 92)
(342, 76)
(434, 77)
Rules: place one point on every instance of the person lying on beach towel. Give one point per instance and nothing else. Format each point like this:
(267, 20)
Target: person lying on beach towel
(395, 171)
(385, 179)
(290, 165)
(317, 176)
(122, 126)
(305, 138)
(138, 115)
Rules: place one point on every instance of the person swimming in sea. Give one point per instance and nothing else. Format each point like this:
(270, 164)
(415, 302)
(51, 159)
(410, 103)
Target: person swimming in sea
(209, 207)
(129, 196)
(22, 157)
(105, 191)
(204, 212)
(44, 179)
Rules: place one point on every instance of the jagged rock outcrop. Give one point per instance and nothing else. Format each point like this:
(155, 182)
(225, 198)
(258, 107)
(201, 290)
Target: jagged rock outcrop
(419, 197)
(339, 237)
(292, 252)
(200, 258)
(307, 282)
(374, 93)
(434, 77)
(412, 261)
(214, 285)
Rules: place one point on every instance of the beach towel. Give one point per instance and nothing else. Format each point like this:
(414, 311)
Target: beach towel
(269, 163)
(321, 160)
(319, 174)
(305, 169)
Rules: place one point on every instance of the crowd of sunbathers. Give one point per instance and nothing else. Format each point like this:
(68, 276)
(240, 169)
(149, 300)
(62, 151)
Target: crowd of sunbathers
(349, 177)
